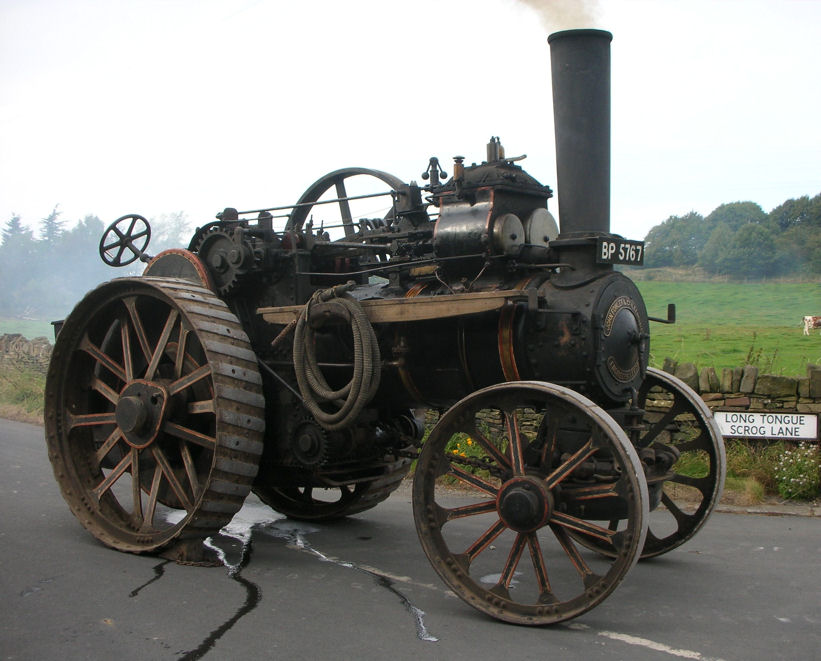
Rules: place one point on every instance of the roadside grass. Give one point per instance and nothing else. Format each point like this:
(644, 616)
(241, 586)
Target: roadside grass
(21, 393)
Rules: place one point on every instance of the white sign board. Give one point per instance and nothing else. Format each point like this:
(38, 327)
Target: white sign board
(797, 426)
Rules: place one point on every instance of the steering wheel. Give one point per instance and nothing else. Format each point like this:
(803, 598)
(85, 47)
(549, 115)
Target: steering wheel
(130, 232)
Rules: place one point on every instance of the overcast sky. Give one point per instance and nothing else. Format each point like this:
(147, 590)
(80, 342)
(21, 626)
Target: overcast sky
(110, 107)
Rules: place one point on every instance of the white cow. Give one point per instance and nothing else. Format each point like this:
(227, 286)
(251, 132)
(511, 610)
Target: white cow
(811, 322)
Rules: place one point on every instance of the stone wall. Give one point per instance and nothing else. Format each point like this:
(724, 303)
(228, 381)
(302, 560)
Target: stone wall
(745, 389)
(18, 350)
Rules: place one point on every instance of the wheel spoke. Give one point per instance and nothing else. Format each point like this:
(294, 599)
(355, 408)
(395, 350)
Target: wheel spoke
(136, 491)
(118, 242)
(575, 460)
(205, 406)
(582, 526)
(473, 480)
(189, 379)
(190, 468)
(107, 446)
(682, 518)
(344, 206)
(90, 419)
(171, 478)
(162, 344)
(151, 505)
(551, 433)
(475, 509)
(512, 561)
(489, 448)
(179, 359)
(587, 574)
(514, 435)
(125, 341)
(536, 556)
(139, 330)
(657, 427)
(484, 540)
(102, 358)
(703, 484)
(592, 492)
(113, 476)
(189, 435)
(104, 389)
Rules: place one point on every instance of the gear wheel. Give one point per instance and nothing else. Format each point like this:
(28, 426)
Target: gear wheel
(225, 255)
(308, 443)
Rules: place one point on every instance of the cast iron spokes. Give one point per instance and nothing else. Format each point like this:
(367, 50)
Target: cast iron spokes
(531, 489)
(155, 406)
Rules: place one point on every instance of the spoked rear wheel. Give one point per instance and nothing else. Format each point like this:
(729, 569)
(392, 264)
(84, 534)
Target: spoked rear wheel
(154, 413)
(505, 477)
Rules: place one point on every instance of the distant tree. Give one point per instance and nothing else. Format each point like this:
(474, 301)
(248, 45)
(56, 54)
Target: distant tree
(714, 257)
(751, 254)
(791, 213)
(170, 230)
(17, 265)
(15, 229)
(799, 247)
(740, 240)
(51, 227)
(736, 214)
(79, 247)
(677, 241)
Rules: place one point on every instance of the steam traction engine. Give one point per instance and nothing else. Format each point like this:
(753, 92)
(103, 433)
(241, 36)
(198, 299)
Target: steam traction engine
(272, 356)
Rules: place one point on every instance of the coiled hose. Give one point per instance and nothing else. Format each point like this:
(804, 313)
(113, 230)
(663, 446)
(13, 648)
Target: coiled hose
(367, 368)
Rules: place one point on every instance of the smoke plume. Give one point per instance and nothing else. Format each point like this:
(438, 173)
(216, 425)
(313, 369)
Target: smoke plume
(564, 14)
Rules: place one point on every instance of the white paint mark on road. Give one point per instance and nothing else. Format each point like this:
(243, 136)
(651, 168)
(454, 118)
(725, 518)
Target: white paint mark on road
(643, 642)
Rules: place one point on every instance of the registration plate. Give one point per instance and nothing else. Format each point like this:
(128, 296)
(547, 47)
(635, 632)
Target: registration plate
(619, 251)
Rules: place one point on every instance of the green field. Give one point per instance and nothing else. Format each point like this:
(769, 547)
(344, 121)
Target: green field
(730, 324)
(29, 328)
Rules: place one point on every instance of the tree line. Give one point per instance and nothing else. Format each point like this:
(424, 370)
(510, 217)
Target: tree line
(44, 273)
(740, 240)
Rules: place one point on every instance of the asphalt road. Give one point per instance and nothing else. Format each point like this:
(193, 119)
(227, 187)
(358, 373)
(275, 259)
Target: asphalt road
(746, 587)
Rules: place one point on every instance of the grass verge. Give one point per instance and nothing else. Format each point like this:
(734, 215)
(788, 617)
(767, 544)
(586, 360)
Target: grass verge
(21, 393)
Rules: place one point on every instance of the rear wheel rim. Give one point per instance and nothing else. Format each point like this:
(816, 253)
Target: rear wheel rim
(154, 413)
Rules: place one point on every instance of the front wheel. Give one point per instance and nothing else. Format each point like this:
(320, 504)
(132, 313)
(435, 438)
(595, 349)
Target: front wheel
(505, 479)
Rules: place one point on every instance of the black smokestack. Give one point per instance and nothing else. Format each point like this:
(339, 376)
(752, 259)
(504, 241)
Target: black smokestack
(580, 65)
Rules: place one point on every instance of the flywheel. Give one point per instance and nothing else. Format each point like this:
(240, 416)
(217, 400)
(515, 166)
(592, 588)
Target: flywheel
(154, 413)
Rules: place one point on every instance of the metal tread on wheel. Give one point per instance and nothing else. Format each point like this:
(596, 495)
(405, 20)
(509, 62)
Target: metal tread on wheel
(154, 413)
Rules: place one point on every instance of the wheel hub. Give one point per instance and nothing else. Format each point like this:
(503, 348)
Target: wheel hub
(524, 503)
(140, 412)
